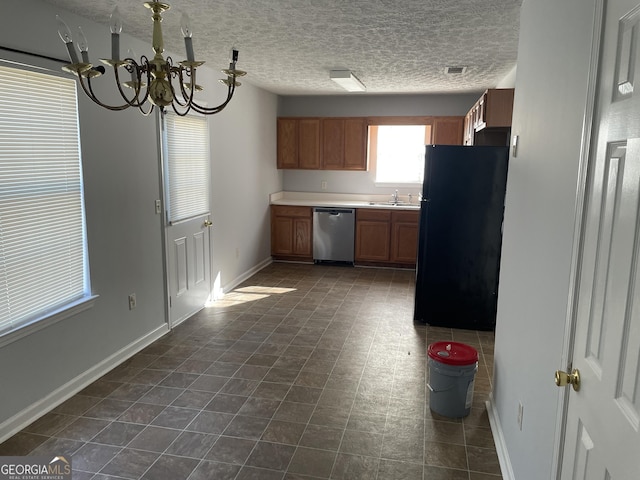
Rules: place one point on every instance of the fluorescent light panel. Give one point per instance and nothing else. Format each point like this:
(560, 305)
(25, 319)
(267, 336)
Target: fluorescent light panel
(347, 80)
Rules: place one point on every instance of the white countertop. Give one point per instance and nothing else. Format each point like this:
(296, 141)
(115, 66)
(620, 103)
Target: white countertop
(309, 199)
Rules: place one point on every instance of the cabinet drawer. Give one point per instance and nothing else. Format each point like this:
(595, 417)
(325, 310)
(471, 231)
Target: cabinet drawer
(405, 216)
(372, 214)
(290, 211)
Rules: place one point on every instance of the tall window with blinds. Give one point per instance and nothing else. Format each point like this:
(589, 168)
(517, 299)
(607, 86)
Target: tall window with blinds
(43, 255)
(187, 166)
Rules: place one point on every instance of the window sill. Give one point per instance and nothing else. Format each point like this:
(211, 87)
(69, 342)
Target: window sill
(399, 184)
(49, 319)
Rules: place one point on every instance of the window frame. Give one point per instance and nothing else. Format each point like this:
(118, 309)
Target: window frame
(71, 308)
(372, 150)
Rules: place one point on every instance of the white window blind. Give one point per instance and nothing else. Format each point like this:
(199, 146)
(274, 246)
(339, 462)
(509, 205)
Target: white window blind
(43, 260)
(187, 145)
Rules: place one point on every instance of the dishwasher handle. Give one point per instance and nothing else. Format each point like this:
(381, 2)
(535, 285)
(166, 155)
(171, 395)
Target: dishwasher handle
(333, 211)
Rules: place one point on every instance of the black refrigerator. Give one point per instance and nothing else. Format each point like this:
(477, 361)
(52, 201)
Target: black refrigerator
(460, 236)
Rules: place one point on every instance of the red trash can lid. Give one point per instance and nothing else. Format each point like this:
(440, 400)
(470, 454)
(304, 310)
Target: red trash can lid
(453, 353)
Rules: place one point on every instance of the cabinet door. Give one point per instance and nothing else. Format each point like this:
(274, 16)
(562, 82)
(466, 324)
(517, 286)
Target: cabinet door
(302, 236)
(355, 144)
(309, 143)
(372, 240)
(468, 128)
(404, 243)
(333, 136)
(287, 143)
(448, 130)
(281, 235)
(481, 115)
(499, 107)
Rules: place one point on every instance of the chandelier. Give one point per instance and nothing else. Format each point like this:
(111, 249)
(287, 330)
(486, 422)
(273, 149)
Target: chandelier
(158, 81)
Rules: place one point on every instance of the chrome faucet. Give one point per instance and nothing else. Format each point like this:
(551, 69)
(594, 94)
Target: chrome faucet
(395, 196)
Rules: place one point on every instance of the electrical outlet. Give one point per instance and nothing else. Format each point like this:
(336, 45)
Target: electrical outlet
(132, 301)
(323, 184)
(520, 415)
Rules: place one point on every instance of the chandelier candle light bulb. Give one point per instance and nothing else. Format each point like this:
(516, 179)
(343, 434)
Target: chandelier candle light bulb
(185, 24)
(65, 34)
(83, 45)
(115, 24)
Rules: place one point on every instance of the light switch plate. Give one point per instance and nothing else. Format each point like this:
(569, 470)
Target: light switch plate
(514, 145)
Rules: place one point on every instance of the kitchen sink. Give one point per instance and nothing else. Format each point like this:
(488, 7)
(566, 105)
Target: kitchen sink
(390, 203)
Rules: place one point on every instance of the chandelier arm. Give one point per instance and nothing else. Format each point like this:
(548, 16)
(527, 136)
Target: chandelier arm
(177, 72)
(182, 113)
(88, 90)
(137, 83)
(219, 108)
(148, 112)
(135, 102)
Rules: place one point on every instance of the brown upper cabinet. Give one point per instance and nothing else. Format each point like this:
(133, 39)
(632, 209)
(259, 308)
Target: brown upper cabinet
(340, 143)
(489, 120)
(447, 130)
(299, 143)
(344, 144)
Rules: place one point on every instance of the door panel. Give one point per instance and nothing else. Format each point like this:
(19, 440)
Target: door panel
(189, 278)
(180, 262)
(200, 248)
(602, 439)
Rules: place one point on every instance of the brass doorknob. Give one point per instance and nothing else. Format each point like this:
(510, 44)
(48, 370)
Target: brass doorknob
(208, 223)
(564, 378)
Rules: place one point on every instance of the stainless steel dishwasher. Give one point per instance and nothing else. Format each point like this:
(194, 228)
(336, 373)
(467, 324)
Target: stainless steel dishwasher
(333, 234)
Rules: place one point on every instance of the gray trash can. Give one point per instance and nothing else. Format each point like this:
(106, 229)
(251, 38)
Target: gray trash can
(452, 370)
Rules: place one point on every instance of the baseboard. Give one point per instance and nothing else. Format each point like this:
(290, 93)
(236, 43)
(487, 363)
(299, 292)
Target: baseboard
(498, 438)
(252, 271)
(36, 410)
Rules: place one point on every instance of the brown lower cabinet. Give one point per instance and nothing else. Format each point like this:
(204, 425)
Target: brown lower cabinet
(383, 237)
(404, 237)
(386, 237)
(291, 233)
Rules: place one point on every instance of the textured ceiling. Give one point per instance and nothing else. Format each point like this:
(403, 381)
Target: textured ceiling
(289, 46)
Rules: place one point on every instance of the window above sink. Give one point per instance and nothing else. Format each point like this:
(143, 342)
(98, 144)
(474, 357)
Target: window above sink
(396, 153)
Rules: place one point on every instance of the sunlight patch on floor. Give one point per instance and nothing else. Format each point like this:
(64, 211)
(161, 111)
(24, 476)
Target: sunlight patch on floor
(247, 294)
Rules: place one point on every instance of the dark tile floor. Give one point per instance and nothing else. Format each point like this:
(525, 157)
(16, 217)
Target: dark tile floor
(302, 372)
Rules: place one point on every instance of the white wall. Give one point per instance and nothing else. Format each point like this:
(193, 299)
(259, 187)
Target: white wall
(360, 106)
(509, 80)
(243, 175)
(121, 173)
(550, 99)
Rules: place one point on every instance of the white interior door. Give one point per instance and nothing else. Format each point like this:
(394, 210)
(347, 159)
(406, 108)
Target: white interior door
(602, 439)
(187, 181)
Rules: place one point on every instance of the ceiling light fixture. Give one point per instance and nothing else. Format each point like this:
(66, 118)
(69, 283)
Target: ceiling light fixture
(158, 80)
(347, 80)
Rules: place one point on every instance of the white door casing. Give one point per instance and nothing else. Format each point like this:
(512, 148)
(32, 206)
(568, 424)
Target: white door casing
(602, 419)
